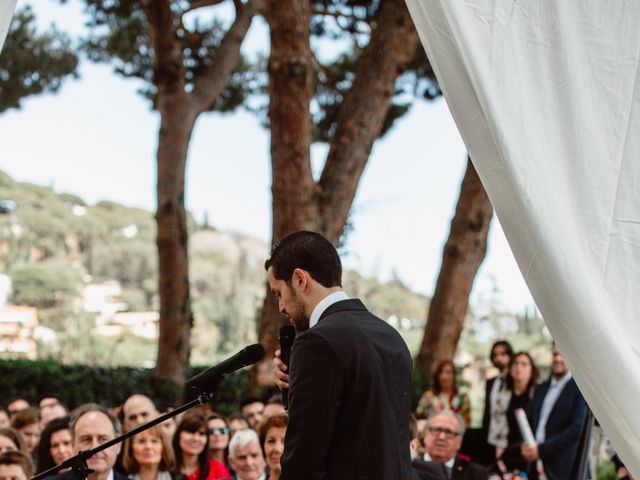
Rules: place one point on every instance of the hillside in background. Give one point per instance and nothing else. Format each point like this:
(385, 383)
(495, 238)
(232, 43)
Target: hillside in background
(89, 268)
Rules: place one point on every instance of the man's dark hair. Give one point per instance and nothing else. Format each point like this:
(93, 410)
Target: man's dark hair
(501, 343)
(309, 251)
(248, 401)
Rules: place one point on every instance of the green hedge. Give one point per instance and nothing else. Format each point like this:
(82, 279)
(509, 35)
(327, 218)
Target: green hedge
(78, 384)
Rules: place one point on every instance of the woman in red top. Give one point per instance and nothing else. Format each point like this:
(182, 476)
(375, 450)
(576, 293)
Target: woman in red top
(190, 447)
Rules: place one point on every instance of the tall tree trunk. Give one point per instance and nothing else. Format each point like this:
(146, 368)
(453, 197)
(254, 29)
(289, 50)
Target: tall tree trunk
(291, 75)
(298, 201)
(179, 111)
(177, 122)
(462, 256)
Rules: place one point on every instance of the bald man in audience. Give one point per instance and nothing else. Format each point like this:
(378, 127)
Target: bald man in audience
(137, 409)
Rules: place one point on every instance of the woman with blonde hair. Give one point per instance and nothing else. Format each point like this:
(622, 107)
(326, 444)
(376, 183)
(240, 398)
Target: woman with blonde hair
(149, 456)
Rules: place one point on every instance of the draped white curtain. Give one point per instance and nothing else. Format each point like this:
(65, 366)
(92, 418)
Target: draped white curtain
(7, 8)
(546, 95)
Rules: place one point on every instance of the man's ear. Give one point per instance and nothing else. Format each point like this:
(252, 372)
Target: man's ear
(300, 280)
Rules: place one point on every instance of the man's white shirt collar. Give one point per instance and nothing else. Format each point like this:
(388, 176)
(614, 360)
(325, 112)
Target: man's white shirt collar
(561, 381)
(449, 463)
(325, 303)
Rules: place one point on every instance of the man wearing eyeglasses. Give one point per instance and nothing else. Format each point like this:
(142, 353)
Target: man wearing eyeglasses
(443, 438)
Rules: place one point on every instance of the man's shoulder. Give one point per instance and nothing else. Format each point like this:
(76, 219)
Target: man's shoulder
(466, 469)
(69, 475)
(62, 476)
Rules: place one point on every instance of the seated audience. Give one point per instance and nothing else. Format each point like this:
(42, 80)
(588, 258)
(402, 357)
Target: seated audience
(15, 466)
(50, 408)
(416, 447)
(272, 433)
(218, 437)
(149, 456)
(236, 422)
(556, 414)
(444, 394)
(27, 424)
(518, 390)
(16, 405)
(274, 406)
(10, 441)
(92, 425)
(494, 418)
(190, 448)
(55, 444)
(252, 408)
(137, 410)
(4, 418)
(442, 439)
(245, 456)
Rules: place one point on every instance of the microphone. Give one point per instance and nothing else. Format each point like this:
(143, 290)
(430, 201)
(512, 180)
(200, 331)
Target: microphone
(247, 356)
(287, 336)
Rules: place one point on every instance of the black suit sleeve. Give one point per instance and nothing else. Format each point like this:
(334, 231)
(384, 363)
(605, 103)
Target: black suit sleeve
(316, 383)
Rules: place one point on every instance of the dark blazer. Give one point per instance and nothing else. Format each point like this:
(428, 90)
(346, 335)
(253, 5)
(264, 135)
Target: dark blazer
(71, 476)
(486, 415)
(462, 470)
(562, 432)
(349, 399)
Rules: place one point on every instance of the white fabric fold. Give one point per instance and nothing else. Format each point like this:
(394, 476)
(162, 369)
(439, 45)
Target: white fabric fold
(546, 96)
(7, 7)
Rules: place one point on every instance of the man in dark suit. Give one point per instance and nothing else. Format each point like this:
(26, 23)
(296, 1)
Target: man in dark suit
(91, 426)
(443, 438)
(556, 414)
(350, 381)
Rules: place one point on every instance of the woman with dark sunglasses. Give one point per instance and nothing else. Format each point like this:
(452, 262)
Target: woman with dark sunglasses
(219, 436)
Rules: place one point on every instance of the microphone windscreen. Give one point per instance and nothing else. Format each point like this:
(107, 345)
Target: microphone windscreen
(253, 353)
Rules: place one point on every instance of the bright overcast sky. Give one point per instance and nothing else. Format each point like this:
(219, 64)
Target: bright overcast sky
(97, 138)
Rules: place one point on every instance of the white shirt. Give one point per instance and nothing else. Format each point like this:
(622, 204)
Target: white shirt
(549, 401)
(325, 303)
(449, 463)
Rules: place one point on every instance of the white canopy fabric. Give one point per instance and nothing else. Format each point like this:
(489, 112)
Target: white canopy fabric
(7, 7)
(546, 95)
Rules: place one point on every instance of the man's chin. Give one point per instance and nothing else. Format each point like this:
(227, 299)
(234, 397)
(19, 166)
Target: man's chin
(301, 324)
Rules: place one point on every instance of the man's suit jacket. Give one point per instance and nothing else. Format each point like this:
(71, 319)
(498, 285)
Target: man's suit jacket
(71, 476)
(562, 432)
(486, 415)
(349, 399)
(462, 470)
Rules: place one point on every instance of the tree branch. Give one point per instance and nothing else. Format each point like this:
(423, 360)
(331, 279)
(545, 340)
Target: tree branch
(168, 69)
(360, 120)
(224, 59)
(195, 4)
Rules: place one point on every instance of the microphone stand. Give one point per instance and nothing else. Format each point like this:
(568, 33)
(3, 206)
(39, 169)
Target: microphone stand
(78, 463)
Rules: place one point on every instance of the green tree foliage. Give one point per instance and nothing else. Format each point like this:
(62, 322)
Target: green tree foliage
(99, 243)
(78, 384)
(32, 62)
(51, 282)
(119, 35)
(348, 23)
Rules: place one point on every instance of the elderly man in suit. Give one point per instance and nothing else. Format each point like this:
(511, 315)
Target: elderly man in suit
(556, 414)
(91, 426)
(442, 438)
(350, 372)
